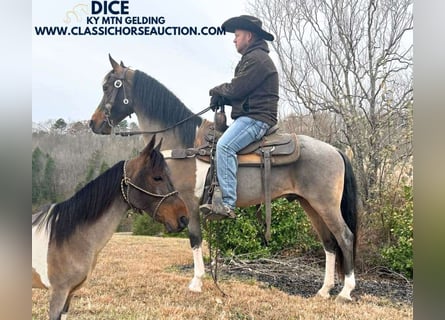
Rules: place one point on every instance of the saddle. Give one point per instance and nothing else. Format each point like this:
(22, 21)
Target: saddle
(274, 149)
(283, 148)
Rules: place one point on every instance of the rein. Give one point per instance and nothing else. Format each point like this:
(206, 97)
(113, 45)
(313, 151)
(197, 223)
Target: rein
(126, 181)
(213, 230)
(132, 133)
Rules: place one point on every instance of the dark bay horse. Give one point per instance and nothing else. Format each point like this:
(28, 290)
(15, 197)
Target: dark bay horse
(321, 179)
(68, 236)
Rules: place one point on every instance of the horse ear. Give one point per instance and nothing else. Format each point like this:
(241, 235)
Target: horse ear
(113, 62)
(122, 65)
(149, 148)
(158, 147)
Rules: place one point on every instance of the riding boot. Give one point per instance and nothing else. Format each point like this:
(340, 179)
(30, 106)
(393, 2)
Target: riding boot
(209, 213)
(217, 202)
(216, 210)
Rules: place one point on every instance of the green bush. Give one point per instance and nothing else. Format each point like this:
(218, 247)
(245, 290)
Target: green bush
(144, 225)
(244, 236)
(398, 254)
(235, 237)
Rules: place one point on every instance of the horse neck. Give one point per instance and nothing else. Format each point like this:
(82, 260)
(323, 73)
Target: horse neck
(170, 139)
(101, 231)
(157, 108)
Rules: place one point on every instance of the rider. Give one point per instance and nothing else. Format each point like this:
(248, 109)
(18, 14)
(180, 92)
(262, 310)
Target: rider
(253, 95)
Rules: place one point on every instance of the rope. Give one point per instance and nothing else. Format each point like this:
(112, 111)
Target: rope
(214, 253)
(132, 133)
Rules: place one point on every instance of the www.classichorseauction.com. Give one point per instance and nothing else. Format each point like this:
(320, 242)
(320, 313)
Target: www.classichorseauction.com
(112, 18)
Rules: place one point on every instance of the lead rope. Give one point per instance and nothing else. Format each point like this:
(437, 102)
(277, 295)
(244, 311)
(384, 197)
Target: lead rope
(216, 234)
(214, 253)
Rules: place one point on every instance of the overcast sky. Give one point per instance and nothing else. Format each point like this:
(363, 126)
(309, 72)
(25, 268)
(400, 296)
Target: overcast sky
(68, 71)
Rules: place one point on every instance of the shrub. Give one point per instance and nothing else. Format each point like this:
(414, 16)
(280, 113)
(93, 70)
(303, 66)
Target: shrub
(291, 228)
(244, 236)
(126, 224)
(398, 253)
(144, 225)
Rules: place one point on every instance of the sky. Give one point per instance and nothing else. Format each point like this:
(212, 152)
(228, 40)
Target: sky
(67, 71)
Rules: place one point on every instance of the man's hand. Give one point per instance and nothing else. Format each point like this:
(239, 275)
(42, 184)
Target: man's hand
(216, 101)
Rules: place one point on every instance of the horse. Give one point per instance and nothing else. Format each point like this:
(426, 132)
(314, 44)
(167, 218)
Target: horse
(322, 179)
(68, 236)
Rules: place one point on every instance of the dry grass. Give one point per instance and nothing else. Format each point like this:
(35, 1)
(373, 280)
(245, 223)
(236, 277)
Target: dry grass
(138, 278)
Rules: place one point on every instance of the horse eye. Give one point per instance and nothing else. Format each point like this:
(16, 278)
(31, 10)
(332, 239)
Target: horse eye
(157, 178)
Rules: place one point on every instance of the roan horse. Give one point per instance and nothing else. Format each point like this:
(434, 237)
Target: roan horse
(68, 236)
(321, 179)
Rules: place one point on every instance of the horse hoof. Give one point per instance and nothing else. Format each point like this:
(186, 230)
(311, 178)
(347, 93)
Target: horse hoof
(195, 286)
(343, 300)
(323, 295)
(197, 290)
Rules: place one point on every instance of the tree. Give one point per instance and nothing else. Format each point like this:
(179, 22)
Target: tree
(352, 59)
(43, 176)
(123, 125)
(134, 126)
(103, 167)
(59, 125)
(78, 127)
(48, 184)
(94, 168)
(37, 165)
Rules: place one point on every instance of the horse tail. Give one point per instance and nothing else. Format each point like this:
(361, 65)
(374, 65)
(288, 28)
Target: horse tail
(348, 208)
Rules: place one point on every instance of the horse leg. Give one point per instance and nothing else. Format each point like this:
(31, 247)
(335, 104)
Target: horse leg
(57, 304)
(195, 236)
(199, 270)
(328, 242)
(66, 307)
(345, 240)
(338, 241)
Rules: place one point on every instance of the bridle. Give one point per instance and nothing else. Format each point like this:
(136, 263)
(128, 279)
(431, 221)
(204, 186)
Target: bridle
(117, 85)
(126, 184)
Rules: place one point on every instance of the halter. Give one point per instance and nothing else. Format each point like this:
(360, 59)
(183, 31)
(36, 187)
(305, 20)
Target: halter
(126, 181)
(117, 84)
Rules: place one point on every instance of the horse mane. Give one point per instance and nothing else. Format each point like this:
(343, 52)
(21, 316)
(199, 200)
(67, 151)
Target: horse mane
(85, 206)
(160, 104)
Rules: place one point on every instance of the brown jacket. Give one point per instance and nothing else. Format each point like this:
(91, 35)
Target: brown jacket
(253, 92)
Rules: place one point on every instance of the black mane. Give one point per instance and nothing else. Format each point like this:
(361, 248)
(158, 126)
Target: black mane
(86, 206)
(160, 104)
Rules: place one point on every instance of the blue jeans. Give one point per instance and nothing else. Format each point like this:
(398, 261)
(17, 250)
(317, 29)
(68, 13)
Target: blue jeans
(242, 132)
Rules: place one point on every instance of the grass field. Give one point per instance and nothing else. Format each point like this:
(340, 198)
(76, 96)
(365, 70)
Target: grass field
(140, 278)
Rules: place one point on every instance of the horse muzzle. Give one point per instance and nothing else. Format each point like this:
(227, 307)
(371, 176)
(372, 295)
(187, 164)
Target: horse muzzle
(181, 224)
(100, 127)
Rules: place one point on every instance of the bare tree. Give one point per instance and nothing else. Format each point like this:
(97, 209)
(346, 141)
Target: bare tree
(79, 151)
(352, 59)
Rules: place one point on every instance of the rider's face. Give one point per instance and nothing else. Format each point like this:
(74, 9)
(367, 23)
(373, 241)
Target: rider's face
(242, 40)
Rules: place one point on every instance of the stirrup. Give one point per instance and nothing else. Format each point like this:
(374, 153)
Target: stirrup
(210, 212)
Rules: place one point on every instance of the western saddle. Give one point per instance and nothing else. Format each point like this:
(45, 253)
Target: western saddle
(274, 149)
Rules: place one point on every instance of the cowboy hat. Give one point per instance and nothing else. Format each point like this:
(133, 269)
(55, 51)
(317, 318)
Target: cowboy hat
(248, 23)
